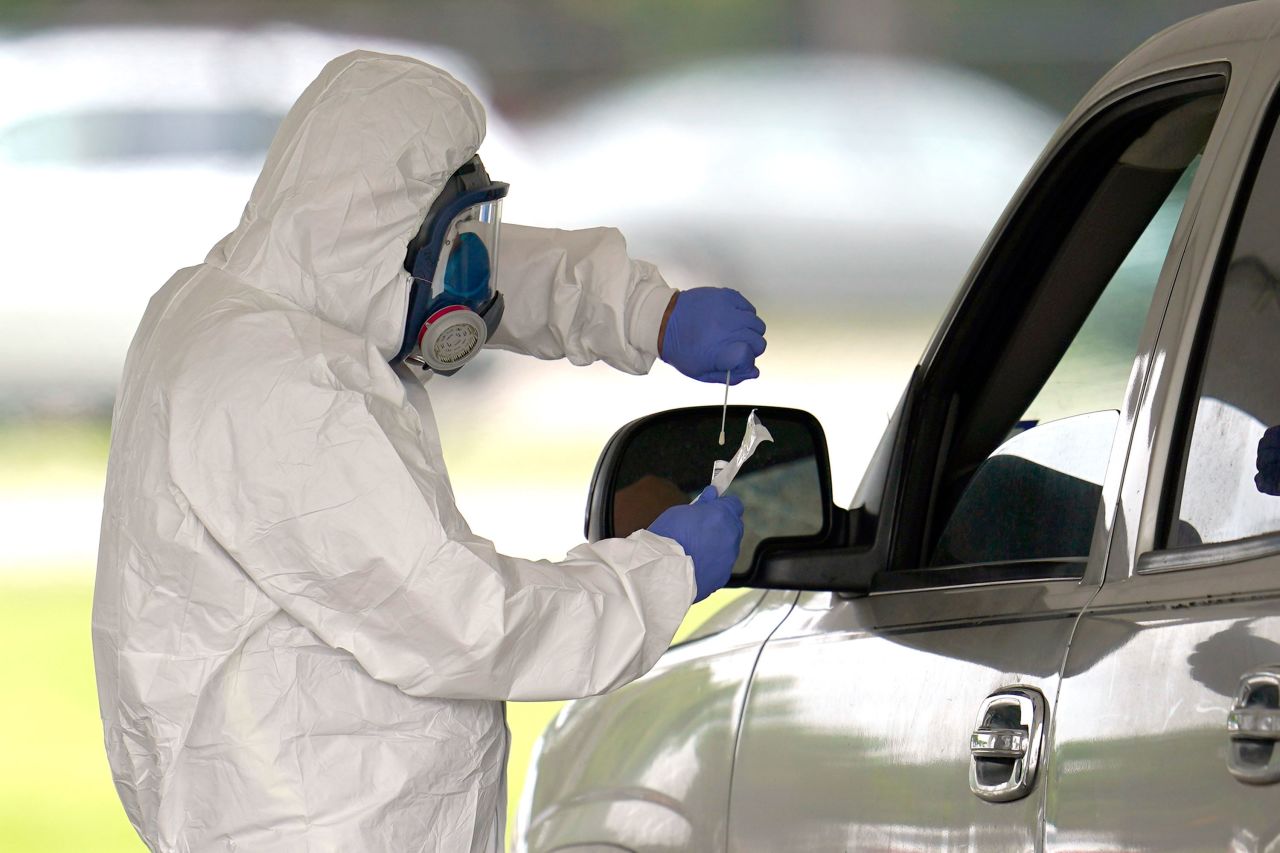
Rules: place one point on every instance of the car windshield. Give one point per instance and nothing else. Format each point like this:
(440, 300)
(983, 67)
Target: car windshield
(104, 137)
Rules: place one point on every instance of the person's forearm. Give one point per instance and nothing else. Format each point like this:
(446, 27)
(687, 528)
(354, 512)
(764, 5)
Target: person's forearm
(578, 295)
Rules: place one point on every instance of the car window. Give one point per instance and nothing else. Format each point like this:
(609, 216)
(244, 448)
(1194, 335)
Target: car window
(103, 137)
(1053, 465)
(1060, 365)
(1035, 497)
(1227, 485)
(1092, 375)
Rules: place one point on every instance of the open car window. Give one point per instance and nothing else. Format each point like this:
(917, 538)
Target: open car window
(1041, 351)
(1035, 497)
(1043, 508)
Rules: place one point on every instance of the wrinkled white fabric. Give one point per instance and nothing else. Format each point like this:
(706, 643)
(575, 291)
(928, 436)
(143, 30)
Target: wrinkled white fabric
(300, 645)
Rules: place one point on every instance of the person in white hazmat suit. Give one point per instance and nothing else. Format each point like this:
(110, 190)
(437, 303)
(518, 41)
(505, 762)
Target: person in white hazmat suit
(299, 643)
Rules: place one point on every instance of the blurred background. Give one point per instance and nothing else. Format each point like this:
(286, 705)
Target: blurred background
(839, 162)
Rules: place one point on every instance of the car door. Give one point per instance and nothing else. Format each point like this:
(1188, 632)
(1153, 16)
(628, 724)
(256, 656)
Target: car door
(647, 766)
(913, 717)
(1169, 710)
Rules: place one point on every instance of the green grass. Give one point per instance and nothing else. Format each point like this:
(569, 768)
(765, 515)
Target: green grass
(53, 455)
(55, 791)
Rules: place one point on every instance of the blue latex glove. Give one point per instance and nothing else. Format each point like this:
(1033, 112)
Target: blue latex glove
(710, 531)
(711, 331)
(1268, 478)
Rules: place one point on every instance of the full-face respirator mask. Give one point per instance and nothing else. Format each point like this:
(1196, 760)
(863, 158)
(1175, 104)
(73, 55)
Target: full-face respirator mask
(453, 304)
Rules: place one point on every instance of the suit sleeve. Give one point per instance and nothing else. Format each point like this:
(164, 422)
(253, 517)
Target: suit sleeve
(578, 295)
(308, 469)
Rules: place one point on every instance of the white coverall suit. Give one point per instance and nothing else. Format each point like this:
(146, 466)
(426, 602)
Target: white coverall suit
(300, 645)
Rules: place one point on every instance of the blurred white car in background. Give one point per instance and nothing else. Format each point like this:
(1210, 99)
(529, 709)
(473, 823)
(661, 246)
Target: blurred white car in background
(125, 154)
(798, 177)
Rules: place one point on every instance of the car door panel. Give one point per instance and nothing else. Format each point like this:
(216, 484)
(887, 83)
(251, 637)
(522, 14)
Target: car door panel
(647, 767)
(858, 722)
(1143, 757)
(1140, 746)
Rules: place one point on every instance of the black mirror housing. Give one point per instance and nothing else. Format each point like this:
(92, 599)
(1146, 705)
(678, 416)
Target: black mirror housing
(665, 459)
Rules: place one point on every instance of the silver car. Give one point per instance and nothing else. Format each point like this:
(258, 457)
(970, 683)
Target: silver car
(1051, 617)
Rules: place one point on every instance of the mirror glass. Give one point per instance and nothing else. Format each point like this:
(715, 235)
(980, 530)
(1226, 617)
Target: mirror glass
(668, 461)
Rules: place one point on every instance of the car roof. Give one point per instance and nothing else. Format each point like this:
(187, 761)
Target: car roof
(1190, 40)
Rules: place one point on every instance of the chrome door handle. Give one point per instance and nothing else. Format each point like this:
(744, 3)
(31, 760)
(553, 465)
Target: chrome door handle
(1004, 749)
(998, 743)
(1253, 728)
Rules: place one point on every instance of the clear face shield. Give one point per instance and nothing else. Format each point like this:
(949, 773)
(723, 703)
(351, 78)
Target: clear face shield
(454, 305)
(468, 266)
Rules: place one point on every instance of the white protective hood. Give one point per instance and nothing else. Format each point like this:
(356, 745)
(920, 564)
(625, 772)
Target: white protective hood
(299, 643)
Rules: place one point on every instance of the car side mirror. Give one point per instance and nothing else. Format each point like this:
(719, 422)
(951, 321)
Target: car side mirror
(665, 459)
